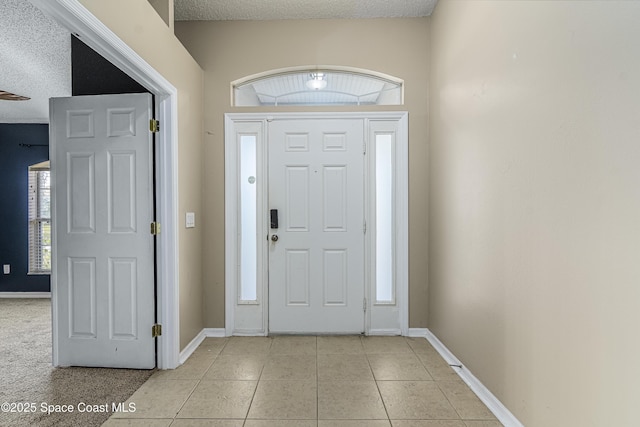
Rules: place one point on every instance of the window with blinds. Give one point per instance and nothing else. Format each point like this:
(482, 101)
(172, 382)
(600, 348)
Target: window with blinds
(40, 219)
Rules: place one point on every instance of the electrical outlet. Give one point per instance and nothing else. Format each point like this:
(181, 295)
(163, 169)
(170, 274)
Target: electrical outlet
(6, 268)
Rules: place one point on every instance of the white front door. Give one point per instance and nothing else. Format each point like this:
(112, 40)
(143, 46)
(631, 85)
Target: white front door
(316, 265)
(103, 274)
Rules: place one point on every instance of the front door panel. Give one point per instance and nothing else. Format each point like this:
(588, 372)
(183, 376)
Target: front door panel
(316, 265)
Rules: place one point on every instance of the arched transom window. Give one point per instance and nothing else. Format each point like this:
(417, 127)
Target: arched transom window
(317, 86)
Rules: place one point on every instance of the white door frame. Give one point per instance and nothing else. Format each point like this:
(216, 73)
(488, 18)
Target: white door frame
(256, 123)
(78, 20)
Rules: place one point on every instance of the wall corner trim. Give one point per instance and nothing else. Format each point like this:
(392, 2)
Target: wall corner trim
(193, 345)
(214, 332)
(495, 406)
(417, 332)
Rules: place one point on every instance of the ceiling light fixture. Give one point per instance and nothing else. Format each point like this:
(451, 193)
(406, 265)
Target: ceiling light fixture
(317, 81)
(8, 96)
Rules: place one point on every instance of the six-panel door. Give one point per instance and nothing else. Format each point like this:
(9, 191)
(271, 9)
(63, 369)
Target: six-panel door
(316, 266)
(104, 254)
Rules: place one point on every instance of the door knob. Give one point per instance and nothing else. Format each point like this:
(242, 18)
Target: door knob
(274, 237)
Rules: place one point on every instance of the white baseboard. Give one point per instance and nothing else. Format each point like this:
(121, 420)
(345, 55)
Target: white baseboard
(25, 294)
(385, 332)
(214, 332)
(249, 333)
(495, 406)
(417, 332)
(193, 345)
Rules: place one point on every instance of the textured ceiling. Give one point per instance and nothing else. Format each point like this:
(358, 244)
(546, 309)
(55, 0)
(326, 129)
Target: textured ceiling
(35, 52)
(226, 10)
(35, 61)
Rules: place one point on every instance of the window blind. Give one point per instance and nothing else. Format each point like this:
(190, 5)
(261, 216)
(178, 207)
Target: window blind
(39, 222)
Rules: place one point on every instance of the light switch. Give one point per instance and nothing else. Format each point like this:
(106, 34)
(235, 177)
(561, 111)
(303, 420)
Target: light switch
(6, 268)
(190, 220)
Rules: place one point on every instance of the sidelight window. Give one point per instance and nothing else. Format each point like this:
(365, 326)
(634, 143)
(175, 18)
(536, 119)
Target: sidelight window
(249, 219)
(384, 208)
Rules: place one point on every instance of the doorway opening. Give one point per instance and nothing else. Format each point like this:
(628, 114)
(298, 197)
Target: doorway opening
(96, 35)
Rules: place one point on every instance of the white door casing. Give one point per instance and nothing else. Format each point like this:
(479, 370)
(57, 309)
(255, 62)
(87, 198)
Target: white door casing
(383, 317)
(316, 266)
(101, 160)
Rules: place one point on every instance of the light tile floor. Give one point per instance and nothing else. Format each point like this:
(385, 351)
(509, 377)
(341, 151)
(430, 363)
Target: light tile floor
(303, 381)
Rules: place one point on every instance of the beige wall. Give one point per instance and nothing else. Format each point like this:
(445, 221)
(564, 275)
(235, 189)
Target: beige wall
(165, 9)
(140, 27)
(231, 50)
(535, 203)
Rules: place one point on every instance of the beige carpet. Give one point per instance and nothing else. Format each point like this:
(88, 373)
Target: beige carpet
(26, 374)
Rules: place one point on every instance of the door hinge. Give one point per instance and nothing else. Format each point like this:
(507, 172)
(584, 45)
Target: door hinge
(364, 305)
(364, 227)
(156, 330)
(154, 125)
(364, 148)
(155, 228)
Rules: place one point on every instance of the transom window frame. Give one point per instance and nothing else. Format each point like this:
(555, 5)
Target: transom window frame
(320, 74)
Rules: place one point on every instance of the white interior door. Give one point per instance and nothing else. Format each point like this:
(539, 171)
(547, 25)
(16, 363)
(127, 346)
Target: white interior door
(103, 273)
(316, 266)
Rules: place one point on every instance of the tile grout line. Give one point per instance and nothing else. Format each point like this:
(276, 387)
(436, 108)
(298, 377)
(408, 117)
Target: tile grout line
(255, 391)
(437, 383)
(384, 405)
(450, 402)
(375, 380)
(197, 383)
